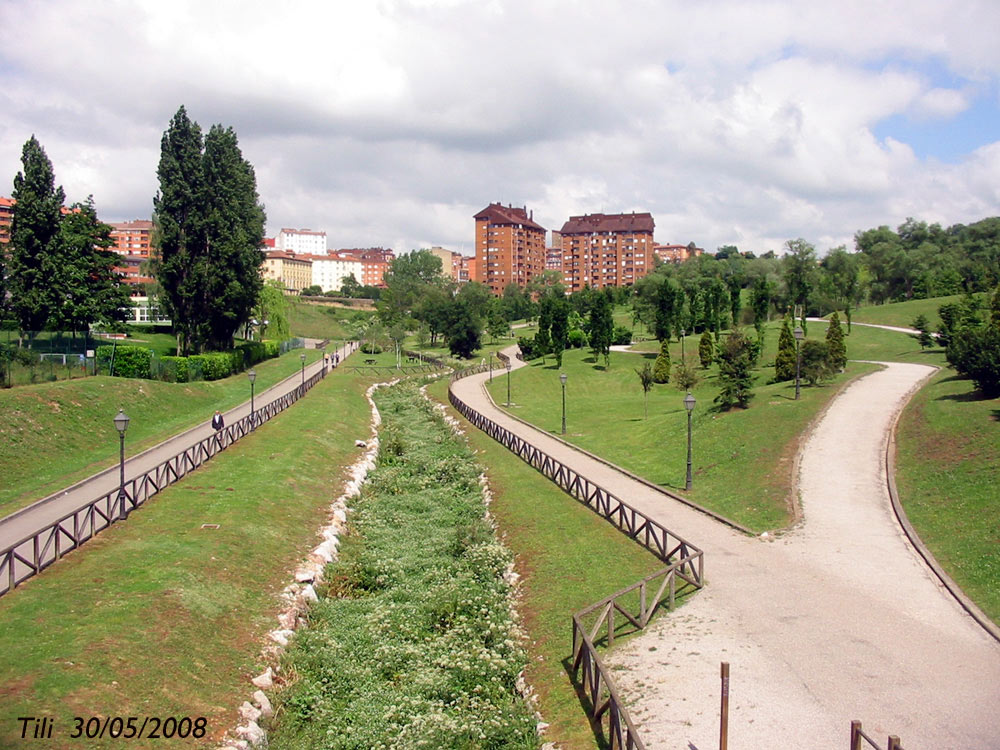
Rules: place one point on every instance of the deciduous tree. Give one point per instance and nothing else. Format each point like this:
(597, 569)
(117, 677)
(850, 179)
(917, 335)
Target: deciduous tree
(735, 371)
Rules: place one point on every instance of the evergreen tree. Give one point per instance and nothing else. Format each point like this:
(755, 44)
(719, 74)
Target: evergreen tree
(661, 367)
(760, 302)
(234, 224)
(559, 337)
(89, 288)
(835, 344)
(995, 308)
(542, 342)
(784, 362)
(33, 268)
(923, 335)
(601, 327)
(817, 363)
(211, 227)
(735, 376)
(706, 350)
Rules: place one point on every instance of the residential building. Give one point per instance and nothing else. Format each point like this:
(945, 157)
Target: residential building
(676, 253)
(294, 272)
(6, 217)
(600, 250)
(132, 237)
(375, 261)
(301, 241)
(510, 247)
(328, 271)
(554, 258)
(453, 265)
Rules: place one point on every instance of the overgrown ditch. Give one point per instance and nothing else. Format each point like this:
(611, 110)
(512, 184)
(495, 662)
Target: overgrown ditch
(414, 642)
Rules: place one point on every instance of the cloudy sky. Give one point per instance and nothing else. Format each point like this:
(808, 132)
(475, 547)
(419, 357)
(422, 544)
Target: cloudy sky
(391, 122)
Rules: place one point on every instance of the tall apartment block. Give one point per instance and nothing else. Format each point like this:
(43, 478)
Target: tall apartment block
(510, 247)
(602, 250)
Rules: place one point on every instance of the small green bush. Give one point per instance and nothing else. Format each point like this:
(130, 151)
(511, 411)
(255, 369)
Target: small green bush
(621, 336)
(661, 367)
(174, 369)
(213, 366)
(577, 339)
(129, 361)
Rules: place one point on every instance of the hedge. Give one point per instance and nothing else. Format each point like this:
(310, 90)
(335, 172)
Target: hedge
(129, 361)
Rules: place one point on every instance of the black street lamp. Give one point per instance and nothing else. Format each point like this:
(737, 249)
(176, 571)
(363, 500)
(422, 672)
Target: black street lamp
(562, 379)
(121, 424)
(798, 359)
(689, 402)
(683, 333)
(491, 367)
(507, 363)
(252, 375)
(302, 358)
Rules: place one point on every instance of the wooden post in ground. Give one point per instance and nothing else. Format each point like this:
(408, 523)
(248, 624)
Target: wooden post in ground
(724, 719)
(894, 743)
(855, 735)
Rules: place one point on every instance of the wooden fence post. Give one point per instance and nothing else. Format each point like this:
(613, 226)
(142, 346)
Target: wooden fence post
(893, 743)
(855, 735)
(724, 719)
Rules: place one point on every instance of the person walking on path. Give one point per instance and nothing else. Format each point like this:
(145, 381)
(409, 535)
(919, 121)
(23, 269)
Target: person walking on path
(218, 423)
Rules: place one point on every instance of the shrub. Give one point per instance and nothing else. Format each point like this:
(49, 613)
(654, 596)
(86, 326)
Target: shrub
(621, 336)
(174, 369)
(975, 354)
(817, 364)
(577, 339)
(528, 349)
(213, 366)
(685, 377)
(661, 367)
(129, 361)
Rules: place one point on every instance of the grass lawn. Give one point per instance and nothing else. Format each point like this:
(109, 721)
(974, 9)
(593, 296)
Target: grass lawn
(568, 557)
(159, 617)
(742, 459)
(69, 423)
(948, 456)
(317, 320)
(902, 313)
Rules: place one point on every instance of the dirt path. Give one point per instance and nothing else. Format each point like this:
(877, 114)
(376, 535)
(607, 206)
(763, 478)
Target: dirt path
(838, 619)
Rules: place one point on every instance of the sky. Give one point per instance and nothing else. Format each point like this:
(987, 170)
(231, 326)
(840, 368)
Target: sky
(390, 123)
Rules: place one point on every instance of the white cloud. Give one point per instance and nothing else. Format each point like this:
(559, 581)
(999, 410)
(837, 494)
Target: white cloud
(393, 122)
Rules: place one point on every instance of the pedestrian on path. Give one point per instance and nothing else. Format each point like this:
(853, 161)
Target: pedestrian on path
(217, 421)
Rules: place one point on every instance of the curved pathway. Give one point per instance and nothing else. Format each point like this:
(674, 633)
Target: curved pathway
(837, 619)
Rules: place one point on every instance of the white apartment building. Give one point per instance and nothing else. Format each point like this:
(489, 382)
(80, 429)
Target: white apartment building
(301, 242)
(328, 271)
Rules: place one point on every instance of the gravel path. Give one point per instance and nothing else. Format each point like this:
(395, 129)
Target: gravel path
(837, 619)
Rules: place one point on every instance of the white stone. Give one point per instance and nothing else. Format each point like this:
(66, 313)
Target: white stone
(281, 636)
(340, 515)
(309, 593)
(252, 733)
(287, 620)
(360, 444)
(265, 705)
(265, 680)
(248, 712)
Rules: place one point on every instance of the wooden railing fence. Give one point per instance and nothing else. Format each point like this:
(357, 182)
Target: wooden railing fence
(683, 561)
(857, 735)
(37, 551)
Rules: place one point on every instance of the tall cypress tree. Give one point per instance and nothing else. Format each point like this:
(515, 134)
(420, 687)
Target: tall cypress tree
(601, 326)
(211, 228)
(34, 239)
(182, 265)
(234, 235)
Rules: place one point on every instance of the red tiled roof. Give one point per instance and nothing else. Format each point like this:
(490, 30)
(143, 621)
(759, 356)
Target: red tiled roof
(498, 214)
(589, 223)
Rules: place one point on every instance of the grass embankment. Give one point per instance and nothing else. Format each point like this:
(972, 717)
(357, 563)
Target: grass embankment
(902, 314)
(318, 320)
(948, 451)
(55, 434)
(568, 557)
(414, 644)
(743, 459)
(160, 617)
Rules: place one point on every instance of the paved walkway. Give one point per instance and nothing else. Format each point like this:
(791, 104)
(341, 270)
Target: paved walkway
(39, 515)
(837, 619)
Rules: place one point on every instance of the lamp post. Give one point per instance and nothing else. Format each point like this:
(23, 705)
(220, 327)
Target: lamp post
(562, 379)
(689, 402)
(683, 333)
(121, 424)
(302, 358)
(252, 375)
(254, 323)
(798, 359)
(491, 367)
(507, 363)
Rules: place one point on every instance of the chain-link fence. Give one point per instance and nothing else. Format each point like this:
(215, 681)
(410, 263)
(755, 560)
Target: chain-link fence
(45, 356)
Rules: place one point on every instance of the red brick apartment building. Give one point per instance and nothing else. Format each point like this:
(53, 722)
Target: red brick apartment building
(676, 253)
(132, 241)
(510, 247)
(375, 261)
(602, 250)
(6, 216)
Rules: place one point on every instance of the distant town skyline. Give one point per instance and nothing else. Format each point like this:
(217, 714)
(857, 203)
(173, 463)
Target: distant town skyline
(391, 124)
